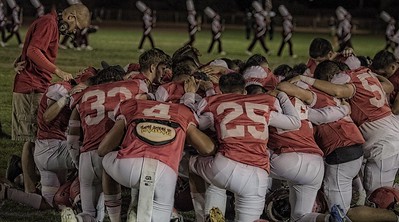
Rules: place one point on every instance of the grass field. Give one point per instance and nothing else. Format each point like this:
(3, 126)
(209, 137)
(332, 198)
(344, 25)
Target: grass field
(119, 46)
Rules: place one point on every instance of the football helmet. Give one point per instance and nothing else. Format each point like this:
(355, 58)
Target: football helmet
(384, 197)
(62, 196)
(278, 208)
(183, 201)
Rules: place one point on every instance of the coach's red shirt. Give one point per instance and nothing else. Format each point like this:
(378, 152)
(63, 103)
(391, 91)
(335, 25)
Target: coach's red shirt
(43, 34)
(167, 122)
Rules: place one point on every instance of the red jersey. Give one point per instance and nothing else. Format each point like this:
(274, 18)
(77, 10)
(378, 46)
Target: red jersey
(154, 130)
(42, 34)
(56, 128)
(369, 103)
(300, 140)
(394, 79)
(241, 123)
(311, 64)
(333, 135)
(170, 92)
(96, 109)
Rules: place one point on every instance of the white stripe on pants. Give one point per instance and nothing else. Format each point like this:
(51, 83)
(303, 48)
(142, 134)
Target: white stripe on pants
(127, 172)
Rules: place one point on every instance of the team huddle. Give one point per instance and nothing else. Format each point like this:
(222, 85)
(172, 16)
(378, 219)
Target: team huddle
(314, 142)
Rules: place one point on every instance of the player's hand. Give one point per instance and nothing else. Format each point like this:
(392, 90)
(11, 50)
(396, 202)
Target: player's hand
(345, 103)
(78, 88)
(63, 75)
(190, 85)
(347, 52)
(214, 78)
(19, 66)
(214, 70)
(205, 85)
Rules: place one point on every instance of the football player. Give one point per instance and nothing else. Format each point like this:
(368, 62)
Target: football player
(321, 49)
(93, 115)
(371, 113)
(343, 154)
(51, 154)
(241, 122)
(303, 183)
(385, 64)
(153, 64)
(151, 135)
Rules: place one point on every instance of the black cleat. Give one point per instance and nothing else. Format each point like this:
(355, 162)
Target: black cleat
(13, 168)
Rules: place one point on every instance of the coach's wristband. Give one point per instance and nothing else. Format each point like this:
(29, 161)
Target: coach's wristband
(308, 80)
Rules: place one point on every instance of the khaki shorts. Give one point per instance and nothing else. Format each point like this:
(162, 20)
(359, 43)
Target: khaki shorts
(24, 116)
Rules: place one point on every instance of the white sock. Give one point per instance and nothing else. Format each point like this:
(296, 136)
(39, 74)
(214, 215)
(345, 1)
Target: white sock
(113, 205)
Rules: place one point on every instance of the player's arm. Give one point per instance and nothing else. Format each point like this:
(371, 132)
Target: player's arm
(293, 90)
(386, 84)
(190, 88)
(328, 114)
(113, 138)
(395, 105)
(336, 90)
(55, 107)
(201, 142)
(289, 118)
(73, 136)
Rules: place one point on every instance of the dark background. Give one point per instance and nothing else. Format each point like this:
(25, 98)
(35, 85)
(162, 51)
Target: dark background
(306, 13)
(230, 5)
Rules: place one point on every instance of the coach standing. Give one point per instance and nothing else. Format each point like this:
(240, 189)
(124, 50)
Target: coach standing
(37, 67)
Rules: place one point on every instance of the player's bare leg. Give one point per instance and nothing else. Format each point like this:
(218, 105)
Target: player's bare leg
(28, 167)
(112, 197)
(29, 199)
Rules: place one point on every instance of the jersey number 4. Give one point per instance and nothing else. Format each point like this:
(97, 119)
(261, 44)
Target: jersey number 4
(238, 110)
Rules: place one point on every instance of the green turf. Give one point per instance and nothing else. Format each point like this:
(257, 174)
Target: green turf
(119, 46)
